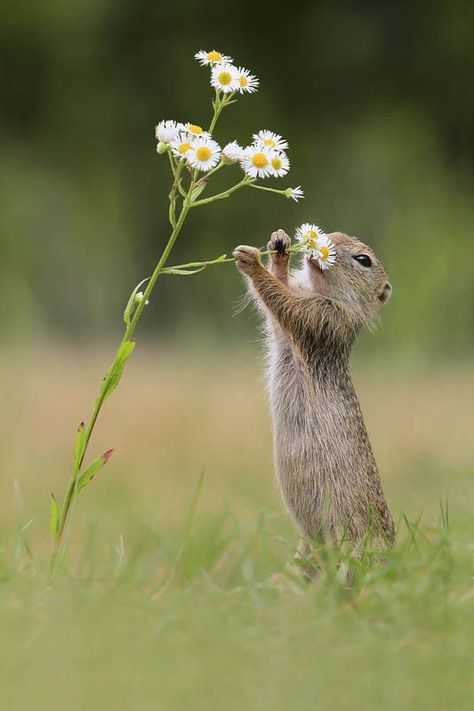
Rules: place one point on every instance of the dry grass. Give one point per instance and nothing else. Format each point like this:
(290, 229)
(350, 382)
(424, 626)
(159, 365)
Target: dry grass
(154, 614)
(176, 414)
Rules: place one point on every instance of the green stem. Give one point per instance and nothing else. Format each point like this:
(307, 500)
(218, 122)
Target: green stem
(220, 103)
(72, 489)
(223, 260)
(218, 106)
(176, 169)
(268, 190)
(197, 265)
(223, 195)
(211, 172)
(171, 160)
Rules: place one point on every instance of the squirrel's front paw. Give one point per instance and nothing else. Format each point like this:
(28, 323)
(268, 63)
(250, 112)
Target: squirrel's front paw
(279, 243)
(247, 258)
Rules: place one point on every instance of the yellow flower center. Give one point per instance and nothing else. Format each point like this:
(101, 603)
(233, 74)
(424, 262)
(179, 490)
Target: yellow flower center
(184, 148)
(259, 160)
(203, 153)
(269, 142)
(324, 253)
(224, 78)
(243, 81)
(276, 163)
(214, 56)
(194, 129)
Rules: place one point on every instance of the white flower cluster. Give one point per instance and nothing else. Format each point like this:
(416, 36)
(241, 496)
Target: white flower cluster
(265, 157)
(317, 244)
(190, 142)
(224, 76)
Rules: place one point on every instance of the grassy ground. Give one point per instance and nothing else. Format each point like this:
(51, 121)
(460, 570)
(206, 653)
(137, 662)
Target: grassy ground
(170, 599)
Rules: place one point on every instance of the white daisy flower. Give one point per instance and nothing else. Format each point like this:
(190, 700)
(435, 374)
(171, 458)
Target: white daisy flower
(256, 162)
(247, 82)
(182, 144)
(214, 57)
(279, 164)
(225, 78)
(268, 139)
(195, 130)
(205, 154)
(167, 131)
(295, 193)
(232, 152)
(326, 252)
(310, 235)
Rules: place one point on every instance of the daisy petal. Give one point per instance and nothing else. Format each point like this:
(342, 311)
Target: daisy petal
(232, 152)
(268, 139)
(295, 194)
(167, 131)
(256, 162)
(210, 58)
(248, 83)
(225, 78)
(205, 155)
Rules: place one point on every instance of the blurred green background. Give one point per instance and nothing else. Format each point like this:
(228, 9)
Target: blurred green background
(374, 99)
(169, 599)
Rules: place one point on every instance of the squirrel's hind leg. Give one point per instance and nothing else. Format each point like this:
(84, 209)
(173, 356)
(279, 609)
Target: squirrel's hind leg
(307, 561)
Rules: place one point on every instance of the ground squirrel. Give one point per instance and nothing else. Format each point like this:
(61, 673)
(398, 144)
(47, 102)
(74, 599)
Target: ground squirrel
(324, 462)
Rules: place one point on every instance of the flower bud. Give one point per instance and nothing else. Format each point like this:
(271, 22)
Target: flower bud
(139, 298)
(295, 194)
(162, 147)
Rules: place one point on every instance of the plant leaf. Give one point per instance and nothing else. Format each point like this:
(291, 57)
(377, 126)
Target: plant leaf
(184, 272)
(197, 190)
(116, 371)
(94, 468)
(79, 447)
(54, 517)
(127, 314)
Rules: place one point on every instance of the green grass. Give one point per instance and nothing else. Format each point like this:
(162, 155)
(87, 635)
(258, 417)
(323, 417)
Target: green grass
(181, 596)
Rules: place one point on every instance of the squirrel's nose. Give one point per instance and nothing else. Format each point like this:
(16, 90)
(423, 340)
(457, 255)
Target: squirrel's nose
(385, 293)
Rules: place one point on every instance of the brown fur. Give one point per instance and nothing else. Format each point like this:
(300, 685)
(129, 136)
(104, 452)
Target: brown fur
(324, 462)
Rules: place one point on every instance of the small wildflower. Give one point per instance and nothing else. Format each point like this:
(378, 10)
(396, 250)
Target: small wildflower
(294, 193)
(279, 164)
(232, 152)
(195, 130)
(139, 298)
(268, 139)
(225, 78)
(256, 162)
(205, 154)
(167, 131)
(248, 83)
(326, 252)
(309, 235)
(182, 144)
(213, 57)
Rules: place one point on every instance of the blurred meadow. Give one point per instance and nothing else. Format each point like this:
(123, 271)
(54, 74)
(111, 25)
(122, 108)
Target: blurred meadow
(179, 592)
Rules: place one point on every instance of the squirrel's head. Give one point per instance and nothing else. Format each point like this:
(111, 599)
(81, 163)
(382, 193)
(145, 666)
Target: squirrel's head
(357, 278)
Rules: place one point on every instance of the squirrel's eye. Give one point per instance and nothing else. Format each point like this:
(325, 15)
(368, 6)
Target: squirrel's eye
(363, 259)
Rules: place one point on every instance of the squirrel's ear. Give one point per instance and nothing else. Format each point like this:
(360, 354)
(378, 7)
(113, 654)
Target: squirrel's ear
(385, 292)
